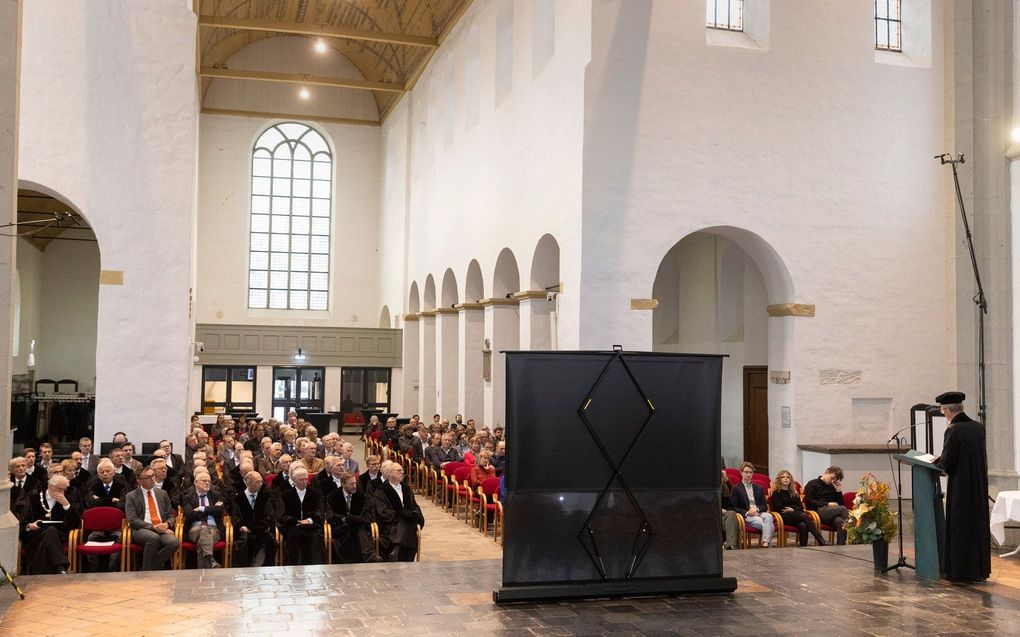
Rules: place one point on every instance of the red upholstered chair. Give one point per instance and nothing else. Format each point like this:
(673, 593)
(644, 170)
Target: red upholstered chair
(848, 502)
(269, 479)
(224, 546)
(488, 493)
(733, 475)
(761, 479)
(746, 531)
(461, 491)
(450, 484)
(100, 519)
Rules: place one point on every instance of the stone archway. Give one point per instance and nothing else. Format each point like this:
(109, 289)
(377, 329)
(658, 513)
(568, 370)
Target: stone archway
(714, 289)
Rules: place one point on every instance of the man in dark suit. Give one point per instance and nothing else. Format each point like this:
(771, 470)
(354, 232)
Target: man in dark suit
(81, 478)
(89, 460)
(436, 457)
(151, 517)
(254, 540)
(748, 499)
(117, 457)
(301, 518)
(174, 462)
(398, 516)
(46, 519)
(107, 489)
(372, 477)
(330, 483)
(282, 481)
(21, 481)
(352, 530)
(203, 518)
(270, 462)
(45, 459)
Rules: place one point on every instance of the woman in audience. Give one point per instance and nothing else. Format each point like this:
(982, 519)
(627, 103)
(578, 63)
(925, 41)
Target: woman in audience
(786, 502)
(312, 434)
(471, 455)
(481, 470)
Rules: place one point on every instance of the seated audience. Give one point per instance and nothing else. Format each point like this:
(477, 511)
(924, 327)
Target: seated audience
(46, 519)
(498, 459)
(306, 453)
(406, 438)
(748, 499)
(390, 434)
(45, 458)
(312, 435)
(301, 518)
(129, 457)
(475, 446)
(89, 460)
(203, 519)
(254, 540)
(786, 502)
(271, 463)
(282, 481)
(397, 513)
(174, 462)
(372, 477)
(117, 457)
(28, 453)
(348, 516)
(151, 517)
(824, 496)
(107, 489)
(80, 478)
(332, 481)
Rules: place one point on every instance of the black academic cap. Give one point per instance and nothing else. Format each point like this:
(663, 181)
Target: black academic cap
(951, 398)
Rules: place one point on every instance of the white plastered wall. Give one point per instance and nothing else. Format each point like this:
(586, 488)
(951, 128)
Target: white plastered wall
(459, 186)
(810, 145)
(121, 68)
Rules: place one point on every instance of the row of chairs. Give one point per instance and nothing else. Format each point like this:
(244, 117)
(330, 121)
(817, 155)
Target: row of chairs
(449, 489)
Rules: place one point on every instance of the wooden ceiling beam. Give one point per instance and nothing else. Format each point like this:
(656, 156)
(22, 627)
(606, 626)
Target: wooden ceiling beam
(320, 30)
(267, 115)
(301, 78)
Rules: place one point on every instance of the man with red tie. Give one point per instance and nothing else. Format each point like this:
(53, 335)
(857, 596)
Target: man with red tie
(151, 517)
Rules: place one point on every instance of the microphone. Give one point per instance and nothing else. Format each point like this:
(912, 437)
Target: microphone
(894, 436)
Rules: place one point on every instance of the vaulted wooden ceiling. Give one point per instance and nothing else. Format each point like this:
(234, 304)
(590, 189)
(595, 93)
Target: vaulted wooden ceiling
(390, 41)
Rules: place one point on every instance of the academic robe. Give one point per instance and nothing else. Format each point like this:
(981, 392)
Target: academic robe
(968, 545)
(302, 544)
(398, 522)
(259, 522)
(44, 552)
(96, 494)
(352, 532)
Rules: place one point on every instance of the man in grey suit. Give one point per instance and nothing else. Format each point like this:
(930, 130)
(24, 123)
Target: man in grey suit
(89, 460)
(151, 517)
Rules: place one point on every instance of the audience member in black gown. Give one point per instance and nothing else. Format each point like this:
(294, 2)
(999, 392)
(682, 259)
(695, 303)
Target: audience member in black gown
(253, 516)
(372, 477)
(348, 516)
(301, 518)
(786, 502)
(21, 481)
(46, 519)
(398, 516)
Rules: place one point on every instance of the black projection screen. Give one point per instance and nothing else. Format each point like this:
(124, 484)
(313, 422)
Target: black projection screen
(574, 528)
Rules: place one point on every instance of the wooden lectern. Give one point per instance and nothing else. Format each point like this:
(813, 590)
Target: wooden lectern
(929, 515)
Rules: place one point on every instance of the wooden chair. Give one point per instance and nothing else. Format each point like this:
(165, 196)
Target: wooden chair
(747, 531)
(375, 538)
(327, 537)
(100, 519)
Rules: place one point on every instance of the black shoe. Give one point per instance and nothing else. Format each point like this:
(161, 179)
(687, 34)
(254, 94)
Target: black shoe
(375, 559)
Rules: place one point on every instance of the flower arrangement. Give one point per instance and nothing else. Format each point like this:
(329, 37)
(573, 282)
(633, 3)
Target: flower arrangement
(871, 520)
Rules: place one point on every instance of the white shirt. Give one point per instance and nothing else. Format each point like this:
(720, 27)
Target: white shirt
(251, 497)
(400, 492)
(749, 487)
(300, 494)
(145, 503)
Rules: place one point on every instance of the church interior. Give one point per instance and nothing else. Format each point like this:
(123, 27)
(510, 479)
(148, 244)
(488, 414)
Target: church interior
(273, 216)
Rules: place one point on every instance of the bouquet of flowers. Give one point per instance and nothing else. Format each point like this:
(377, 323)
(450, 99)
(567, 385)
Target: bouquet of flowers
(871, 520)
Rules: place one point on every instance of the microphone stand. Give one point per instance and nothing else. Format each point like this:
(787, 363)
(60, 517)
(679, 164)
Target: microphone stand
(979, 298)
(902, 562)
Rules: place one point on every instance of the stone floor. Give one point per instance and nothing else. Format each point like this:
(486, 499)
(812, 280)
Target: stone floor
(817, 591)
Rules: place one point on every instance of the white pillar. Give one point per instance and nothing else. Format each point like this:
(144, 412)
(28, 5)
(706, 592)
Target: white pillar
(10, 52)
(427, 367)
(470, 384)
(502, 329)
(536, 319)
(411, 403)
(447, 363)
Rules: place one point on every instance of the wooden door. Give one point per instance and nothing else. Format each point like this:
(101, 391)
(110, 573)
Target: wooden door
(756, 416)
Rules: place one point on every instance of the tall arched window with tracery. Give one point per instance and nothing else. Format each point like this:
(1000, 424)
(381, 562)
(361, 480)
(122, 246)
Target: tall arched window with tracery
(291, 213)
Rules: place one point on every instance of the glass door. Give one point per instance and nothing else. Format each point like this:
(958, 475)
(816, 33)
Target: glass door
(363, 388)
(228, 389)
(297, 389)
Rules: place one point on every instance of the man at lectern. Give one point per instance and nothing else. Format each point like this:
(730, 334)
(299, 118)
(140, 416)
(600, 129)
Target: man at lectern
(968, 545)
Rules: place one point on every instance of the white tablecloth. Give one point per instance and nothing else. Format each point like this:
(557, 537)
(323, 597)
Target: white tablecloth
(1007, 507)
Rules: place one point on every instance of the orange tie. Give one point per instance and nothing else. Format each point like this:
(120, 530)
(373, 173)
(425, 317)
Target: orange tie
(153, 509)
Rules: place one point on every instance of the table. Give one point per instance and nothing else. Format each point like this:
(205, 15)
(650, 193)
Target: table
(1007, 507)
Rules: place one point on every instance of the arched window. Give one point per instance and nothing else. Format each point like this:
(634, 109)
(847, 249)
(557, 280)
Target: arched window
(291, 211)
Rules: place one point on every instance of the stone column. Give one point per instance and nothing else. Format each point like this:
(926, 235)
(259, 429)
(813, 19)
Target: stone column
(427, 366)
(470, 384)
(447, 363)
(411, 343)
(10, 63)
(502, 330)
(536, 319)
